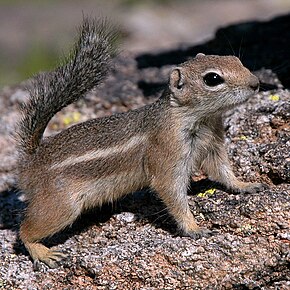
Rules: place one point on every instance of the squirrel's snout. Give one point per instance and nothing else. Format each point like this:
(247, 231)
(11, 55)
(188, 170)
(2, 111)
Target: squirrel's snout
(254, 84)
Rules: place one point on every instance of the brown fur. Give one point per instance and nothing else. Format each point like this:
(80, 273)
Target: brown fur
(159, 145)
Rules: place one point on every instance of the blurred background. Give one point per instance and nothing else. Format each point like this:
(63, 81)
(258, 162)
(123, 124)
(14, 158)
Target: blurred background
(35, 34)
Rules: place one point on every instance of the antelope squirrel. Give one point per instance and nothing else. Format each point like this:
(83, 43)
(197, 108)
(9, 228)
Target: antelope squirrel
(98, 161)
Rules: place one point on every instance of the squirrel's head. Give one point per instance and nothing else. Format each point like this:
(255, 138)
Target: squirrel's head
(211, 83)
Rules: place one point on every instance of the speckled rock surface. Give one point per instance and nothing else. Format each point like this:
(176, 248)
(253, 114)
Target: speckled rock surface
(132, 244)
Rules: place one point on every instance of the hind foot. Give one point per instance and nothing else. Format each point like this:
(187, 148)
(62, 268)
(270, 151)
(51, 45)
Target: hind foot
(40, 253)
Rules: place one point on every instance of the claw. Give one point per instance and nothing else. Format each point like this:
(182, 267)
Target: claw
(57, 255)
(53, 257)
(50, 263)
(36, 265)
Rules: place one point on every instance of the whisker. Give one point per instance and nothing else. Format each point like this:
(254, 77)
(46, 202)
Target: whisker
(159, 217)
(228, 40)
(158, 212)
(241, 42)
(281, 67)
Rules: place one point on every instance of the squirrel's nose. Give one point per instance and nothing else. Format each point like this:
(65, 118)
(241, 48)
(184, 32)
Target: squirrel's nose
(255, 84)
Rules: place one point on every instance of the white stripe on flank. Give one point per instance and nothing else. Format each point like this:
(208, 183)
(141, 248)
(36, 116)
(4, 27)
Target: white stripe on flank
(102, 153)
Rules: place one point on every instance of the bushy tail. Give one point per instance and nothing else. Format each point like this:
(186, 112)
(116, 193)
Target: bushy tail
(86, 67)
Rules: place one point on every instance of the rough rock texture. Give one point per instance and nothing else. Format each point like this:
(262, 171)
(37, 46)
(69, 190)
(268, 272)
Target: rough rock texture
(132, 243)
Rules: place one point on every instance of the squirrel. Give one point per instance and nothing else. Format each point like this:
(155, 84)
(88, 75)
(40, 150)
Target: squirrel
(98, 161)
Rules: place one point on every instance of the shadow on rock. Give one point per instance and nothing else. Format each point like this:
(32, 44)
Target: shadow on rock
(11, 208)
(145, 205)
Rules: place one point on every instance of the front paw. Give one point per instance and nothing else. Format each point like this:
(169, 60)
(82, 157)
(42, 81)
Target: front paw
(197, 234)
(248, 187)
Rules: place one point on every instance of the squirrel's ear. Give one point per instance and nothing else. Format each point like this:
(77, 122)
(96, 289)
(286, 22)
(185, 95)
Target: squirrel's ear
(176, 80)
(200, 54)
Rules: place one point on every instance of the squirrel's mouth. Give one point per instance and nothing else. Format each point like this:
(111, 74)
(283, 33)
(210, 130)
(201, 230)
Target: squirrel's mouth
(235, 99)
(242, 96)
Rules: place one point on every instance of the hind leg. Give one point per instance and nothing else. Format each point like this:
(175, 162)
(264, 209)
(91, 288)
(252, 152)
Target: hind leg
(38, 251)
(43, 219)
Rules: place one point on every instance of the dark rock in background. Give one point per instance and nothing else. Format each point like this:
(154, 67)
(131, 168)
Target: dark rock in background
(257, 44)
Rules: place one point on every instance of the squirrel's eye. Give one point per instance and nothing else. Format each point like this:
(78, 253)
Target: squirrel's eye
(213, 79)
